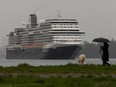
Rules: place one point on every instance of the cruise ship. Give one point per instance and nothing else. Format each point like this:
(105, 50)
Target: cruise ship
(47, 39)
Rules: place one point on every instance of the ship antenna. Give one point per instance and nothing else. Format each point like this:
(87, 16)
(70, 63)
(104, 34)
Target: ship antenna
(58, 13)
(24, 23)
(35, 10)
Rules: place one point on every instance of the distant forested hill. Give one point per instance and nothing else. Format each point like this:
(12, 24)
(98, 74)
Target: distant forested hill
(92, 50)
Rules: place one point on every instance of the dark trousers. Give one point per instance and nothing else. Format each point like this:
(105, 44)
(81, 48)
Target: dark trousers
(105, 63)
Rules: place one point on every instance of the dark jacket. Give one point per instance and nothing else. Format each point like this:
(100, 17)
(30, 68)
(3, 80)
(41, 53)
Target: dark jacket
(105, 56)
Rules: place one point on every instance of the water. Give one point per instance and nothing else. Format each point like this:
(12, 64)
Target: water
(5, 62)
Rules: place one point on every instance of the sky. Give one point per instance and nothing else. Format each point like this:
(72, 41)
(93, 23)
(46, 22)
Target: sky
(96, 17)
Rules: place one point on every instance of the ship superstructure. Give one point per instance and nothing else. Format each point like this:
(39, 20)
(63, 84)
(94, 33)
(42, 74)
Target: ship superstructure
(48, 39)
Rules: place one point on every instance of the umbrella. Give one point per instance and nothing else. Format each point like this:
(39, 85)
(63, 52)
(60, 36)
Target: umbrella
(101, 40)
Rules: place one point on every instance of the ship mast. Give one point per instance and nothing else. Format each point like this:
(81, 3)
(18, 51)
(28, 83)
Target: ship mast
(58, 14)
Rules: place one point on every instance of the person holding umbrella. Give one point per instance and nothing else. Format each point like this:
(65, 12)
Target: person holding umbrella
(104, 49)
(105, 53)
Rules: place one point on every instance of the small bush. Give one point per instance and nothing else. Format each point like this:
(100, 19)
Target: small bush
(23, 65)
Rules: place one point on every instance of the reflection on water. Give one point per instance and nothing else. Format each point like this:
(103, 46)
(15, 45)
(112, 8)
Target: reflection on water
(12, 62)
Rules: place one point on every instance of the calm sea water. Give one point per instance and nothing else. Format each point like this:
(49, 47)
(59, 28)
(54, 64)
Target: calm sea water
(12, 62)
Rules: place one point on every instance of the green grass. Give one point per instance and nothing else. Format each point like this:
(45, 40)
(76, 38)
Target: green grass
(25, 75)
(69, 68)
(57, 82)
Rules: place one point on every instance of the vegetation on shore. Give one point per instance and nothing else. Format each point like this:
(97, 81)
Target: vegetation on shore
(69, 68)
(70, 75)
(57, 82)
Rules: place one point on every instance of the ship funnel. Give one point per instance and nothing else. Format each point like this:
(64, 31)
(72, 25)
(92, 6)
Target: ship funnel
(33, 20)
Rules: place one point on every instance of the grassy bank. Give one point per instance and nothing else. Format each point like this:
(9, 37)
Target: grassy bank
(69, 68)
(57, 82)
(70, 75)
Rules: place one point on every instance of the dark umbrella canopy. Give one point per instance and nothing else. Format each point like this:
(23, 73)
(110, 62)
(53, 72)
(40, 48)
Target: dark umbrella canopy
(101, 40)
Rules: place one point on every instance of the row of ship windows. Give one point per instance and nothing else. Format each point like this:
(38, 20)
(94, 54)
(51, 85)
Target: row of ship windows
(67, 38)
(45, 27)
(29, 32)
(64, 27)
(67, 32)
(26, 42)
(67, 35)
(36, 37)
(36, 41)
(36, 33)
(53, 33)
(29, 38)
(30, 42)
(40, 38)
(47, 37)
(65, 24)
(12, 42)
(40, 32)
(33, 33)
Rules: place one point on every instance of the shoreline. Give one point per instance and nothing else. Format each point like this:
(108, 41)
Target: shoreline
(15, 62)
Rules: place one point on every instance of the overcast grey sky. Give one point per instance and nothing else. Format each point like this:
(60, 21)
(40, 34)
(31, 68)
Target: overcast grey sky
(96, 17)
